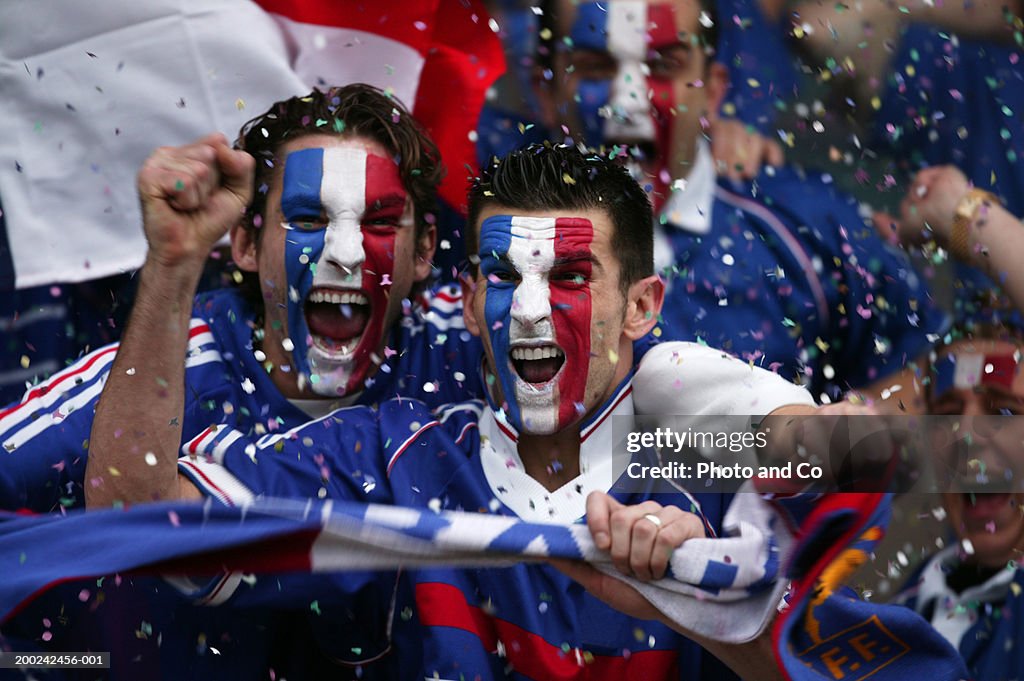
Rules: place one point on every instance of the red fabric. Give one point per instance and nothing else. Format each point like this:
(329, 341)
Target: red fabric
(862, 505)
(444, 605)
(462, 58)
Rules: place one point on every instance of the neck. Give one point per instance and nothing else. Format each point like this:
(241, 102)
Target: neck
(552, 460)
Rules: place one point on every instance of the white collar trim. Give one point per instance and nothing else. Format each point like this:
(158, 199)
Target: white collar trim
(512, 485)
(949, 618)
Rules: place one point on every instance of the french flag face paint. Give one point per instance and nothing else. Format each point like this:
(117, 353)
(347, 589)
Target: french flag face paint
(635, 105)
(342, 207)
(967, 371)
(538, 314)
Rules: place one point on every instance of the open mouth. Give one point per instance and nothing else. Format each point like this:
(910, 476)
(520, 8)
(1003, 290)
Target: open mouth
(337, 319)
(537, 364)
(984, 505)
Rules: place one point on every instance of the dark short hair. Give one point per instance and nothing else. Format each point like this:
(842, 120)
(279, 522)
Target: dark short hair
(550, 40)
(356, 110)
(544, 177)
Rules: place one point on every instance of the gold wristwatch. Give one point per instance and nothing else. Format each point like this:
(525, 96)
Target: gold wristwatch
(964, 215)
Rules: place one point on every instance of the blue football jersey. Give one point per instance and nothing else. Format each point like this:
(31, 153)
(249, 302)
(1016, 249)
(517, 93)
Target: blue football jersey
(521, 622)
(790, 277)
(45, 437)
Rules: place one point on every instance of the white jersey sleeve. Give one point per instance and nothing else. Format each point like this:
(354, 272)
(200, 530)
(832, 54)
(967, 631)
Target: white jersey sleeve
(689, 379)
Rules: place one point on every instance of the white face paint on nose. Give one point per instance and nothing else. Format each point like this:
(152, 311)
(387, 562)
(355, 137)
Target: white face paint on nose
(343, 196)
(630, 115)
(532, 253)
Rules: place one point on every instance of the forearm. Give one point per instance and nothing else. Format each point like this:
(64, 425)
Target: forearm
(897, 394)
(133, 448)
(982, 19)
(752, 661)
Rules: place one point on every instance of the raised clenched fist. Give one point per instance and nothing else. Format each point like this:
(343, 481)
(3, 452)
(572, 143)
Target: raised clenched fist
(191, 196)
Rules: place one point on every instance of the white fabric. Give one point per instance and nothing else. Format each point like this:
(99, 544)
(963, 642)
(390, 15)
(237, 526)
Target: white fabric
(689, 379)
(529, 499)
(688, 206)
(89, 91)
(955, 613)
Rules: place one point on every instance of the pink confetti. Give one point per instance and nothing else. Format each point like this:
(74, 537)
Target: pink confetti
(173, 517)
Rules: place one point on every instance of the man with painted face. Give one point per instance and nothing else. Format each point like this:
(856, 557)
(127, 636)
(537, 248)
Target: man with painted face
(782, 272)
(336, 243)
(562, 285)
(971, 591)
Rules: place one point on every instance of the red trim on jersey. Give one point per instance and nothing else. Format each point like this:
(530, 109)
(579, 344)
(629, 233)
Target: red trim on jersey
(444, 605)
(448, 297)
(224, 496)
(405, 445)
(608, 412)
(194, 444)
(46, 388)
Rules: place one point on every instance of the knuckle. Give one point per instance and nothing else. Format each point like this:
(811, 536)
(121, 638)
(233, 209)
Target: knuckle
(644, 530)
(620, 519)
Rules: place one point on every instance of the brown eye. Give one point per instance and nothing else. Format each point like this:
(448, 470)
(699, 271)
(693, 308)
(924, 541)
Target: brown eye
(593, 65)
(668, 62)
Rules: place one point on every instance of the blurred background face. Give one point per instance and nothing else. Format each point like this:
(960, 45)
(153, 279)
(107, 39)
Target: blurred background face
(983, 381)
(633, 73)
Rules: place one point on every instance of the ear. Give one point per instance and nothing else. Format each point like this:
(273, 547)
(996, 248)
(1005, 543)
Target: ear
(425, 247)
(469, 292)
(243, 248)
(643, 307)
(715, 86)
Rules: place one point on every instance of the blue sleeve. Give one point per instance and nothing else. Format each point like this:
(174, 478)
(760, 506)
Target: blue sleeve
(45, 437)
(880, 310)
(761, 71)
(889, 310)
(334, 457)
(434, 358)
(960, 103)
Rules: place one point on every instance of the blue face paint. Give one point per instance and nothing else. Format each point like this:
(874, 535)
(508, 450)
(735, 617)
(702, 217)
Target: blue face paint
(495, 240)
(301, 206)
(589, 32)
(538, 315)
